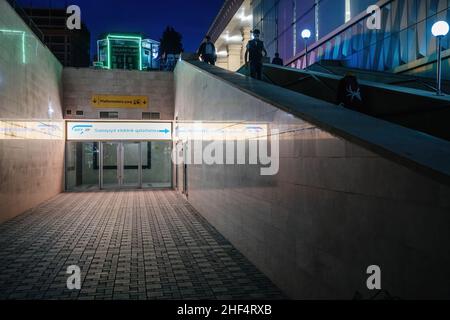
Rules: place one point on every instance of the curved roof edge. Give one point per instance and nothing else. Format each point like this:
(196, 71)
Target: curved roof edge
(223, 18)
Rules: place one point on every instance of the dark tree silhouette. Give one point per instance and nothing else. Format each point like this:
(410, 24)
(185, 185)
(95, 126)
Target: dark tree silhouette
(171, 42)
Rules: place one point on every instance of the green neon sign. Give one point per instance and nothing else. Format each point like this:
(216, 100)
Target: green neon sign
(22, 34)
(126, 38)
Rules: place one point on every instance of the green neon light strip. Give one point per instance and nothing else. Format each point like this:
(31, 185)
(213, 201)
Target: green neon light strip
(124, 37)
(23, 33)
(23, 49)
(98, 49)
(109, 52)
(140, 54)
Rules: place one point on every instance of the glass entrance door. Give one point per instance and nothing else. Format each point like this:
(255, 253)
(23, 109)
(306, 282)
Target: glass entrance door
(131, 165)
(120, 165)
(157, 164)
(109, 165)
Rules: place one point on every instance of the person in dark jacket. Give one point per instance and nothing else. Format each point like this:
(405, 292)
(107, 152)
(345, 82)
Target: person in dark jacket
(207, 51)
(254, 55)
(349, 93)
(277, 60)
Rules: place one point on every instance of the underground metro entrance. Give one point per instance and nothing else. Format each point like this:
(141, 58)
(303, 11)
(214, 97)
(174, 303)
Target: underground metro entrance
(135, 165)
(121, 165)
(118, 165)
(110, 163)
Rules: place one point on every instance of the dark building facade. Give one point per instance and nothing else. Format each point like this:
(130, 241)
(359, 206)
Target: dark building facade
(71, 47)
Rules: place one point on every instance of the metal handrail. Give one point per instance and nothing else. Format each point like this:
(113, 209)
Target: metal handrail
(325, 68)
(412, 80)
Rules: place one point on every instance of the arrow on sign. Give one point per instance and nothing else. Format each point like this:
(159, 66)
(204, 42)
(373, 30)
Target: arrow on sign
(166, 131)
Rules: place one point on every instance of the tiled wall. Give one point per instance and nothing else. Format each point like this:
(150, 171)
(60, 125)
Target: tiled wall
(333, 209)
(31, 129)
(81, 84)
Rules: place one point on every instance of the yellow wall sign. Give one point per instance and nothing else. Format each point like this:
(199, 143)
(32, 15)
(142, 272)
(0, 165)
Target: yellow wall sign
(110, 101)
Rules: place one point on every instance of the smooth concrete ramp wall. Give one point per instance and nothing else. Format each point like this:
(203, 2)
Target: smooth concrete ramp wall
(31, 127)
(345, 198)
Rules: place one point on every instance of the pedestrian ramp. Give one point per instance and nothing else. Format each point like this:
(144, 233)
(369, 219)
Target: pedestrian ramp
(408, 101)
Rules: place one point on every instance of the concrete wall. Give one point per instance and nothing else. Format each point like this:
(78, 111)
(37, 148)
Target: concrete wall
(333, 209)
(31, 163)
(81, 84)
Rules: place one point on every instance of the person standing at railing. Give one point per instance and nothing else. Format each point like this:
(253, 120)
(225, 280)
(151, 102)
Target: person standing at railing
(207, 51)
(254, 55)
(277, 60)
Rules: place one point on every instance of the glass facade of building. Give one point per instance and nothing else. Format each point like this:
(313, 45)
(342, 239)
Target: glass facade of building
(340, 32)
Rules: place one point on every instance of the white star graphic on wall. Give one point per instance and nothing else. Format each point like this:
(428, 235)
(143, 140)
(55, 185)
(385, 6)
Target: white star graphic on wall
(354, 94)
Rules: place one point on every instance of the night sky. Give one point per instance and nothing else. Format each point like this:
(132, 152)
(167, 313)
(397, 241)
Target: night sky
(191, 18)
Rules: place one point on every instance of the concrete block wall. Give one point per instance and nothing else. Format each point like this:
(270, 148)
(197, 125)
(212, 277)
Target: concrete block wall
(334, 209)
(81, 84)
(31, 169)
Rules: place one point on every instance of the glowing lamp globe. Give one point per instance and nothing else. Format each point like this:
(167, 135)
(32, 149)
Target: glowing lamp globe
(440, 29)
(306, 34)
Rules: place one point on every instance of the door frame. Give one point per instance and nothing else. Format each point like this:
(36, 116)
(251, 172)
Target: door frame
(185, 170)
(120, 164)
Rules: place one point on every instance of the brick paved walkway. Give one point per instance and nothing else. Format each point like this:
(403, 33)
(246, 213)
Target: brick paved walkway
(129, 245)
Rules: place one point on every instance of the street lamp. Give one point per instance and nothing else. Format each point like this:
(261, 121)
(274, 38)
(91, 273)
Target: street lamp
(306, 34)
(440, 29)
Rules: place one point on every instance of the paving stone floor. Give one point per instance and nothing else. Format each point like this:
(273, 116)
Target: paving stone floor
(129, 245)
